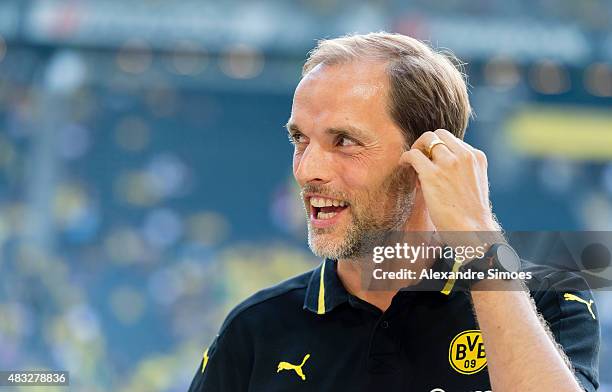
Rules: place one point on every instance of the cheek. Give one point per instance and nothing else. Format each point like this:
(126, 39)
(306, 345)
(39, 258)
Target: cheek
(364, 173)
(361, 183)
(353, 177)
(296, 163)
(376, 187)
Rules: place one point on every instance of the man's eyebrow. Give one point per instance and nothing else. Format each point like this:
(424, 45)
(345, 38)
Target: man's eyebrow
(290, 126)
(349, 130)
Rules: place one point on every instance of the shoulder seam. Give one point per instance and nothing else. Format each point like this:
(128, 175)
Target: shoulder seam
(246, 304)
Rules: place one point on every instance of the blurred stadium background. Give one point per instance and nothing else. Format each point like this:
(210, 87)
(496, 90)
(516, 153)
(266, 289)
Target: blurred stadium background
(145, 180)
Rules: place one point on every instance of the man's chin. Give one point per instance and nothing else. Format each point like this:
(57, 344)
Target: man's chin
(330, 245)
(323, 244)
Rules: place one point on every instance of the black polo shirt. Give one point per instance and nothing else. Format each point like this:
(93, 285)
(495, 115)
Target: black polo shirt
(309, 334)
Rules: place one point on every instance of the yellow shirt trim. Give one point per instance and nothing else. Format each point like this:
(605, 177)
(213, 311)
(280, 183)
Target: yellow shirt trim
(205, 360)
(451, 282)
(321, 307)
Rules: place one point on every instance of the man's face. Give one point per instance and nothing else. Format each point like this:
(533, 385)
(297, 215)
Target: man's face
(347, 150)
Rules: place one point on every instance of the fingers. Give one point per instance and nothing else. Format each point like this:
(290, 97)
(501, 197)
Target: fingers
(481, 157)
(452, 146)
(423, 144)
(452, 142)
(452, 152)
(417, 159)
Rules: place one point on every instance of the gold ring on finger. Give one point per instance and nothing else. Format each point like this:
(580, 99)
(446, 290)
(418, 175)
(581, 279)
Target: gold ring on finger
(431, 146)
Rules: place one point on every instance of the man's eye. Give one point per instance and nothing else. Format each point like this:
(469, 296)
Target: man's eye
(345, 141)
(296, 138)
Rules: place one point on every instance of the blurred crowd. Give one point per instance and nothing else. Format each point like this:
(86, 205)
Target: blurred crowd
(144, 191)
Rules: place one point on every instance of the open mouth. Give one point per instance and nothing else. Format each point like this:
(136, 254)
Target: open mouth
(322, 208)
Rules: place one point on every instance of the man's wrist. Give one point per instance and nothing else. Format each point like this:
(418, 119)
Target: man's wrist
(499, 257)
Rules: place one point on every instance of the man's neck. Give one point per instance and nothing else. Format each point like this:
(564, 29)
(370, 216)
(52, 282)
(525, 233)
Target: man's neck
(352, 272)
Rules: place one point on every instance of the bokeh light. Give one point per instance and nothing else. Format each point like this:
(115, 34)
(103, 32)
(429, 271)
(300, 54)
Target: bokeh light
(128, 304)
(598, 79)
(502, 73)
(188, 58)
(549, 77)
(2, 48)
(135, 56)
(145, 178)
(242, 61)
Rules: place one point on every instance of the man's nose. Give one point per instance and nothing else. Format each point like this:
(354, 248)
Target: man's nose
(314, 165)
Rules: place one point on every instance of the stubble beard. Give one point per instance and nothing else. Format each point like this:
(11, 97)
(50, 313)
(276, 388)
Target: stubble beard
(372, 220)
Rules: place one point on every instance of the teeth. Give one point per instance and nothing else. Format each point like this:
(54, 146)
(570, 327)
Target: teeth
(323, 202)
(326, 215)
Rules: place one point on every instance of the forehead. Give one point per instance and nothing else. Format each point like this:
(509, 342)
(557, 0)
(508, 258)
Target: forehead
(354, 91)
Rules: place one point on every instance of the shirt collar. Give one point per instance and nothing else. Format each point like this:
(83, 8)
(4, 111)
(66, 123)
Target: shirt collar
(325, 290)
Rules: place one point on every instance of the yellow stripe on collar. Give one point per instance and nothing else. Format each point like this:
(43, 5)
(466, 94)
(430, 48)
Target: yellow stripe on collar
(205, 360)
(321, 304)
(451, 282)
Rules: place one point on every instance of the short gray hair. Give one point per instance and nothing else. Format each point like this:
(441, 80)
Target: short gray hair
(428, 89)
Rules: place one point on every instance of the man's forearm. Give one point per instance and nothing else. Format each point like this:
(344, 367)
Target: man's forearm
(521, 353)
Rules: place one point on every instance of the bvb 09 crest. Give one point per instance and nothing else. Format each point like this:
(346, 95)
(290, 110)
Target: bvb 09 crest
(466, 353)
